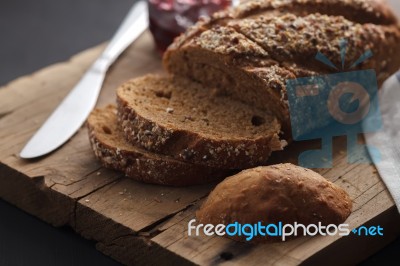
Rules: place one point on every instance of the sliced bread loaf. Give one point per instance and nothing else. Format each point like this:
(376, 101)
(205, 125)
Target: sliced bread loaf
(187, 121)
(251, 51)
(114, 152)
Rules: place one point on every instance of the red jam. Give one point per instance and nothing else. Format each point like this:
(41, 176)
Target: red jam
(169, 18)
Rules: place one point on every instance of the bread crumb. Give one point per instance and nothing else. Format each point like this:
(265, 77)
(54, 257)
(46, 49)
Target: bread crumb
(157, 200)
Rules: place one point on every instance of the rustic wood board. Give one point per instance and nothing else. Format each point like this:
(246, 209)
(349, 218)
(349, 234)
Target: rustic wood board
(146, 224)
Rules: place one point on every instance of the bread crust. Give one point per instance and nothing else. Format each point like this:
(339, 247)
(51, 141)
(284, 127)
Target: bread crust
(115, 153)
(278, 193)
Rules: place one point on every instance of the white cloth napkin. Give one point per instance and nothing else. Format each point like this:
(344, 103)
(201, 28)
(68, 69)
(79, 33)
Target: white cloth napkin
(387, 140)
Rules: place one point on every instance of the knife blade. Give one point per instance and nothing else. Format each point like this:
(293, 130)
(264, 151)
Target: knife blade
(73, 111)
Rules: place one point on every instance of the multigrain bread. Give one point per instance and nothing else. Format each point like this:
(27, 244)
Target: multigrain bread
(251, 51)
(187, 121)
(114, 152)
(278, 193)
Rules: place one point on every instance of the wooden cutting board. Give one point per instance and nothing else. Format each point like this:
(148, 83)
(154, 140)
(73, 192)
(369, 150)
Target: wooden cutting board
(137, 223)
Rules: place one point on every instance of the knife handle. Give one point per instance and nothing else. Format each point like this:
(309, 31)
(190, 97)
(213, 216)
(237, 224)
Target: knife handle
(135, 22)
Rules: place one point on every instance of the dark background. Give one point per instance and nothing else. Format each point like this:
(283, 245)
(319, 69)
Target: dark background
(34, 34)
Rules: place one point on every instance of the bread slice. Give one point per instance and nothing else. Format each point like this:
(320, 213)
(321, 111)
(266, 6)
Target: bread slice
(114, 152)
(187, 121)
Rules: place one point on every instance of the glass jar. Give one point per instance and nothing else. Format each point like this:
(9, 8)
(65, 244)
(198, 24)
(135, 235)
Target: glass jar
(169, 18)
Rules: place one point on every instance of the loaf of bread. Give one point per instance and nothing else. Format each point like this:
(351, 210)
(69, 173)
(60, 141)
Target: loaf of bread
(225, 104)
(187, 121)
(114, 152)
(249, 52)
(278, 193)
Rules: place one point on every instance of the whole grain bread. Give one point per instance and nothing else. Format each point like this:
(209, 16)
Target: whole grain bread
(114, 152)
(278, 193)
(187, 121)
(249, 52)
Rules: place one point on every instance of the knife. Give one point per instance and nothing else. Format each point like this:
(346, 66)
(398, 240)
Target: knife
(77, 105)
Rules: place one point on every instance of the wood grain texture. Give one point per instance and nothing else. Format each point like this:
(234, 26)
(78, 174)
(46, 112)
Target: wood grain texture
(142, 224)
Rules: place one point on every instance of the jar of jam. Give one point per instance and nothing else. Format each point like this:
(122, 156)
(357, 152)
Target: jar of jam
(169, 18)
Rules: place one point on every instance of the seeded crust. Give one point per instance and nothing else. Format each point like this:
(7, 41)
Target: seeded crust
(114, 152)
(187, 121)
(278, 193)
(360, 11)
(249, 52)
